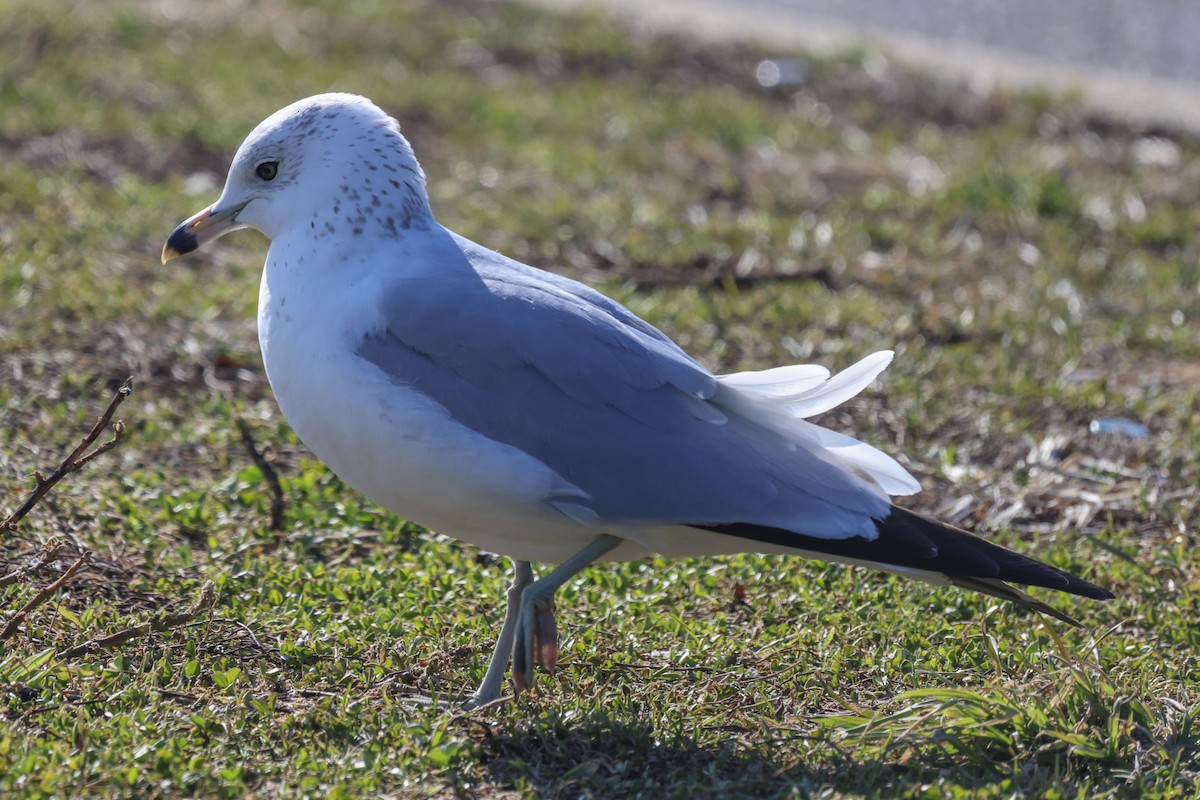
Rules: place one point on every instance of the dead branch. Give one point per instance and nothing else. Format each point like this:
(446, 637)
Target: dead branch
(207, 599)
(78, 458)
(10, 629)
(268, 471)
(50, 552)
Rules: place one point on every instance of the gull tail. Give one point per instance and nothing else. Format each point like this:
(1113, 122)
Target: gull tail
(915, 546)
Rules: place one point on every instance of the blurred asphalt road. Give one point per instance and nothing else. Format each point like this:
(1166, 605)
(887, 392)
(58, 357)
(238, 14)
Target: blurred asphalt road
(1155, 38)
(1132, 59)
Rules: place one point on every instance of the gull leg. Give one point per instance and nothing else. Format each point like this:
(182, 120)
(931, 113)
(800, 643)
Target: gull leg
(489, 689)
(536, 626)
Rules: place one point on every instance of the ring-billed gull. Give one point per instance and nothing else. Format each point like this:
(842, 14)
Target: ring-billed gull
(532, 416)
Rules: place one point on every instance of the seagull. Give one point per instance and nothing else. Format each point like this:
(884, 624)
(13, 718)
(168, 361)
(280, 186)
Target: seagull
(532, 416)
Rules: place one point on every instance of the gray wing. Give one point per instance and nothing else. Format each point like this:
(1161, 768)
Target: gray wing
(574, 379)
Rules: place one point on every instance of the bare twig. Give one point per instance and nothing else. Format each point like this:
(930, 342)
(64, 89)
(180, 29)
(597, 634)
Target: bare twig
(10, 629)
(207, 599)
(78, 458)
(717, 275)
(268, 471)
(50, 552)
(79, 703)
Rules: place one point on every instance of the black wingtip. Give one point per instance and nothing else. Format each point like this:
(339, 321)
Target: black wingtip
(910, 541)
(963, 554)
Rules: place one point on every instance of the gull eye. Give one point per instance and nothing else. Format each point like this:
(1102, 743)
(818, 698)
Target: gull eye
(267, 170)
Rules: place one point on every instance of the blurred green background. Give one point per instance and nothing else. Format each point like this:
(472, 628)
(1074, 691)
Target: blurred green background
(1034, 267)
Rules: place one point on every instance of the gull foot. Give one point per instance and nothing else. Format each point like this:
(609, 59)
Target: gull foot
(536, 642)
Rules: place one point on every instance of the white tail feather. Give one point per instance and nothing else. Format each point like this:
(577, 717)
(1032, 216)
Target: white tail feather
(780, 398)
(807, 389)
(887, 472)
(841, 387)
(780, 381)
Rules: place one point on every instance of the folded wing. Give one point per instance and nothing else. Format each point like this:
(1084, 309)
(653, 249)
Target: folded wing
(615, 408)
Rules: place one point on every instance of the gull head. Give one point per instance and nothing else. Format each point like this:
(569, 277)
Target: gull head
(331, 164)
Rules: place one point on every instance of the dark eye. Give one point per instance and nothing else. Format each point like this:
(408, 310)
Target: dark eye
(267, 170)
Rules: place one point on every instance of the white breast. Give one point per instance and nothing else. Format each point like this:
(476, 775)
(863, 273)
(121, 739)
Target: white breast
(392, 443)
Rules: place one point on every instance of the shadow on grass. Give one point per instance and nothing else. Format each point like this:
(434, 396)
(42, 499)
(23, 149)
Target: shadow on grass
(600, 755)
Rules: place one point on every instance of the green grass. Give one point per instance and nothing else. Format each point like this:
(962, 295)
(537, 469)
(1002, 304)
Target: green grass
(1034, 269)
